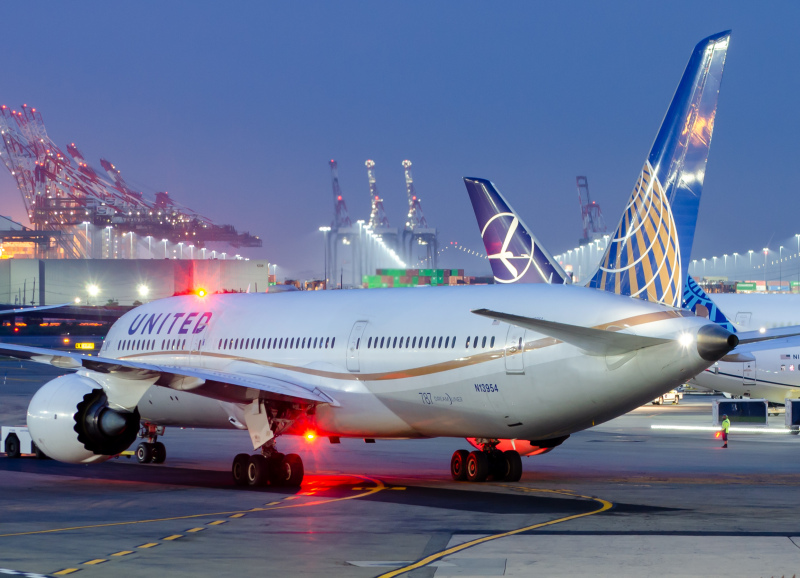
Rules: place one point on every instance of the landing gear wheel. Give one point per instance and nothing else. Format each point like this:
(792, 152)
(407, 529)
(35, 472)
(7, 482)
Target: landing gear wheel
(144, 453)
(12, 446)
(477, 466)
(293, 471)
(458, 465)
(40, 455)
(159, 453)
(276, 475)
(239, 469)
(513, 466)
(257, 471)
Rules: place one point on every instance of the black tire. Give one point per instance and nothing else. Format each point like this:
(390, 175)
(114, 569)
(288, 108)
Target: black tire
(257, 471)
(276, 473)
(477, 467)
(513, 466)
(294, 464)
(40, 455)
(144, 453)
(458, 465)
(12, 446)
(239, 469)
(159, 453)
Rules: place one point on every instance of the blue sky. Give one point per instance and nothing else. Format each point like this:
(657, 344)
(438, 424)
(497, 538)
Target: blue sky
(236, 108)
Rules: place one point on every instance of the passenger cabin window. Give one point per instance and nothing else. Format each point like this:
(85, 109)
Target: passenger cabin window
(492, 343)
(483, 343)
(467, 346)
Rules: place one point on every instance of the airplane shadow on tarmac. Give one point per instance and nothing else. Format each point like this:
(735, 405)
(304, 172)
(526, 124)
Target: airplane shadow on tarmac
(467, 500)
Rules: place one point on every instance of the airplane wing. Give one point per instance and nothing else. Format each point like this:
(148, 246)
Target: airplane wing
(592, 341)
(233, 387)
(21, 310)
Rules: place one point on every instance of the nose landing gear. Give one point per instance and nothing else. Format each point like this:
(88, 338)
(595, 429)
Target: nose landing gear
(150, 450)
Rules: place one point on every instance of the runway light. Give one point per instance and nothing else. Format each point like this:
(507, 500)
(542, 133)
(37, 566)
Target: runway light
(310, 436)
(201, 292)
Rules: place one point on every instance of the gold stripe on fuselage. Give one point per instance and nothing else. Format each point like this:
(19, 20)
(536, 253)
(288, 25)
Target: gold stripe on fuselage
(449, 365)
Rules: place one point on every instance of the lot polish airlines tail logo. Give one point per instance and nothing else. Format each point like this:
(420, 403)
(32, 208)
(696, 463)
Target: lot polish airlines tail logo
(643, 259)
(512, 251)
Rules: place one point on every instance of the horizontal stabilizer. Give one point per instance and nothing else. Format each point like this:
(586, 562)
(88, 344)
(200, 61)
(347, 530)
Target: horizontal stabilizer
(592, 341)
(263, 382)
(748, 337)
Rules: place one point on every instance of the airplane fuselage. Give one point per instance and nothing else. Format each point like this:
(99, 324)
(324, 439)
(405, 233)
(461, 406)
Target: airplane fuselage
(415, 362)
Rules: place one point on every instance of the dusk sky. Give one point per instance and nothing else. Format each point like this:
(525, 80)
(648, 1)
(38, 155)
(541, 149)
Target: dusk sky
(236, 109)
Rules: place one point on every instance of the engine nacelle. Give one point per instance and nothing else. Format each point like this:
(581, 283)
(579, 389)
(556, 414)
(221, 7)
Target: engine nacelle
(70, 420)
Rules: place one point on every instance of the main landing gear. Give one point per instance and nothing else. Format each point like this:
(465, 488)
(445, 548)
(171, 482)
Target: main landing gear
(268, 468)
(150, 450)
(489, 462)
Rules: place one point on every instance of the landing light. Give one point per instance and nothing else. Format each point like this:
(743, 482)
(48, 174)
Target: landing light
(202, 292)
(686, 339)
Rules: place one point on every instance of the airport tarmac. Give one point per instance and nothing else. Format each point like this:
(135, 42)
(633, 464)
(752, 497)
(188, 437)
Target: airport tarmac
(620, 499)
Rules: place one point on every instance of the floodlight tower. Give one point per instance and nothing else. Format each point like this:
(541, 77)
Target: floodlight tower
(340, 216)
(416, 230)
(378, 223)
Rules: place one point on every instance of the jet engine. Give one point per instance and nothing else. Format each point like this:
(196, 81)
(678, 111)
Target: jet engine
(70, 420)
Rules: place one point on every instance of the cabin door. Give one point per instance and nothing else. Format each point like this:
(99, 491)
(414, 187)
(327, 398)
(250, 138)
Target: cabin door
(515, 340)
(749, 373)
(354, 344)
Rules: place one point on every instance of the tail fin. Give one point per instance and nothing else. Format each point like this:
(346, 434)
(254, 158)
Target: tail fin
(695, 299)
(514, 252)
(648, 256)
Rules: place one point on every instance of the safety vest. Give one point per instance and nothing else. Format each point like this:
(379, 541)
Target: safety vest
(726, 424)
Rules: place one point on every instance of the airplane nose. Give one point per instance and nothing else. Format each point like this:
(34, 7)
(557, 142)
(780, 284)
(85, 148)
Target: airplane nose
(714, 342)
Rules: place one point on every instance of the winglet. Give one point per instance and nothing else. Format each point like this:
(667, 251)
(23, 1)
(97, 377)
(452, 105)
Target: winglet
(515, 254)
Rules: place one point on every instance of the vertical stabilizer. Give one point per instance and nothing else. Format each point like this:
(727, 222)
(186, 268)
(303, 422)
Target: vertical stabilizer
(514, 252)
(696, 300)
(648, 255)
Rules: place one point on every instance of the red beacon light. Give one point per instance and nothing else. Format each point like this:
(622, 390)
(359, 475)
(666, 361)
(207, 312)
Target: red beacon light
(201, 292)
(310, 436)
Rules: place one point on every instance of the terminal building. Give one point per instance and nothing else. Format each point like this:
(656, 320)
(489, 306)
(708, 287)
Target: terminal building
(123, 282)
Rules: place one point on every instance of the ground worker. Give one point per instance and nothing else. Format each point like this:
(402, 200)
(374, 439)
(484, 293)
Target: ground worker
(726, 426)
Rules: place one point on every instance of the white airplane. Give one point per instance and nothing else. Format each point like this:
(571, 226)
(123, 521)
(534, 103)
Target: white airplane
(357, 364)
(532, 362)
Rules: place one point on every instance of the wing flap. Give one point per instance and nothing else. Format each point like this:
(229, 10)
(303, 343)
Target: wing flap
(592, 341)
(236, 387)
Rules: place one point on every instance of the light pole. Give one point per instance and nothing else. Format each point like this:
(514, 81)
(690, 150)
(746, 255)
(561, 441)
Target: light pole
(725, 265)
(191, 251)
(704, 268)
(715, 265)
(203, 251)
(86, 237)
(108, 251)
(766, 252)
(181, 248)
(798, 256)
(275, 272)
(165, 247)
(694, 269)
(751, 260)
(325, 231)
(131, 234)
(92, 290)
(150, 245)
(780, 268)
(735, 263)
